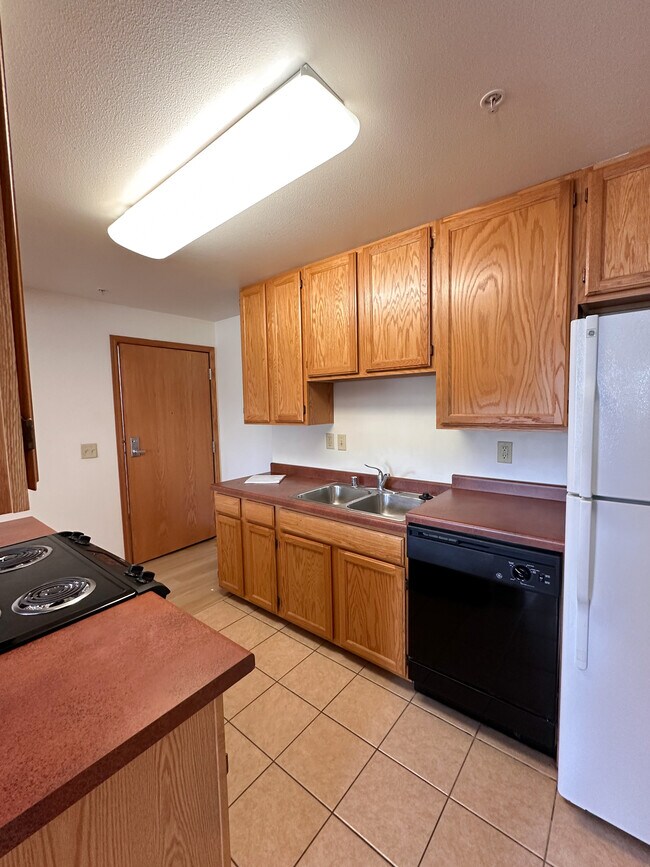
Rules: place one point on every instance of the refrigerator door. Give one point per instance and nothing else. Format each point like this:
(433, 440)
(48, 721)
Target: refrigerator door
(609, 407)
(603, 759)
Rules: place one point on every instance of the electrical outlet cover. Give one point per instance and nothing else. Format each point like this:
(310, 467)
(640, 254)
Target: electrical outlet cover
(504, 452)
(88, 450)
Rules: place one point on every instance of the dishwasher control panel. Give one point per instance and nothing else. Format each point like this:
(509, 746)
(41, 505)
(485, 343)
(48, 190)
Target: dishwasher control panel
(526, 568)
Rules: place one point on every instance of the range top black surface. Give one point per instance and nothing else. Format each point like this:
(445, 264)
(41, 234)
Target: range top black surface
(53, 581)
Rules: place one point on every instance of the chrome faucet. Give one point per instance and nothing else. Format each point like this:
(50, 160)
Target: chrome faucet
(382, 478)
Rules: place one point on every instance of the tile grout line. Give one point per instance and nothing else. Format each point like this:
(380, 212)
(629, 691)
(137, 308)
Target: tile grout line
(550, 824)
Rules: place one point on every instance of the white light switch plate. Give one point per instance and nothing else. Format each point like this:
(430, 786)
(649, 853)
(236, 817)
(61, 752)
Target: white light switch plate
(329, 440)
(341, 442)
(88, 450)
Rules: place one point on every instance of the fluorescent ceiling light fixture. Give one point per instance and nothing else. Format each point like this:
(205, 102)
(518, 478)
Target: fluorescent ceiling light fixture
(298, 127)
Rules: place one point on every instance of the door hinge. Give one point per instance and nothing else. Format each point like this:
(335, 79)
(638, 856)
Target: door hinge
(214, 447)
(29, 436)
(586, 195)
(583, 276)
(210, 373)
(575, 198)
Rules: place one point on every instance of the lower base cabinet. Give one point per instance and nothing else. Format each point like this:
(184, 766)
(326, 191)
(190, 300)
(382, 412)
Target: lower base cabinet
(370, 612)
(305, 584)
(260, 579)
(229, 554)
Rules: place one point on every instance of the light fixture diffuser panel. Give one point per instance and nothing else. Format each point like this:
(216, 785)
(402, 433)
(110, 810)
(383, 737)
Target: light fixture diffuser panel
(297, 128)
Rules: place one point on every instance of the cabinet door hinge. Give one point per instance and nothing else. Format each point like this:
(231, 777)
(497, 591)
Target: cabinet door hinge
(431, 350)
(432, 242)
(406, 583)
(278, 603)
(586, 195)
(214, 447)
(29, 435)
(304, 410)
(575, 199)
(583, 276)
(301, 281)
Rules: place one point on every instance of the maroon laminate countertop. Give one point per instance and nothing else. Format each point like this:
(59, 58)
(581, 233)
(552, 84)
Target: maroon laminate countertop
(506, 517)
(79, 704)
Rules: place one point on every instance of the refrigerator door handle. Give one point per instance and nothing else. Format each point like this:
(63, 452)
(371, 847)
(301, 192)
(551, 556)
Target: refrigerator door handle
(583, 581)
(588, 406)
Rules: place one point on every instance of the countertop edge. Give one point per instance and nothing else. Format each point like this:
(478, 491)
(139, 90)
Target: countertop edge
(56, 802)
(487, 533)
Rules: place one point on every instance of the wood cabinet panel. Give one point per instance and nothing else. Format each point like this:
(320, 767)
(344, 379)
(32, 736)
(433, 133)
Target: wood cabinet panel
(258, 513)
(227, 505)
(330, 316)
(283, 306)
(166, 808)
(618, 227)
(341, 535)
(502, 298)
(260, 584)
(252, 307)
(230, 564)
(305, 584)
(370, 609)
(395, 316)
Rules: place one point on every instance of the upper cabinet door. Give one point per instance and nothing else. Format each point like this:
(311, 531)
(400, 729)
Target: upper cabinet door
(502, 297)
(618, 227)
(252, 306)
(283, 309)
(395, 315)
(330, 316)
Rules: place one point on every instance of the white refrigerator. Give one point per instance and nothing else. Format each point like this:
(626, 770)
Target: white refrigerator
(604, 731)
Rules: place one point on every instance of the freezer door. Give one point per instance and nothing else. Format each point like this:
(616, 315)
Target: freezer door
(603, 759)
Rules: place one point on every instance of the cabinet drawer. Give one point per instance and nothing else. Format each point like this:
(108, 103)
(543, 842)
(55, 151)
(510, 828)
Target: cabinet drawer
(370, 542)
(225, 505)
(258, 513)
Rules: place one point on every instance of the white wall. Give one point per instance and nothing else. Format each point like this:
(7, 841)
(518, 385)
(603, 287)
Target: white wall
(245, 448)
(392, 423)
(70, 362)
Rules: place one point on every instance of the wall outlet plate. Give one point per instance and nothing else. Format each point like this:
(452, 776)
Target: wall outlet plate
(341, 442)
(504, 452)
(88, 450)
(329, 440)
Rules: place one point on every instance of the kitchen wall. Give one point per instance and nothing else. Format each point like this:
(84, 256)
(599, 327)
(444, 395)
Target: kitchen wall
(73, 403)
(389, 422)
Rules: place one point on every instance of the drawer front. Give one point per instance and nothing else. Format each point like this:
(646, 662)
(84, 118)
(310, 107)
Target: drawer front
(372, 543)
(225, 505)
(258, 513)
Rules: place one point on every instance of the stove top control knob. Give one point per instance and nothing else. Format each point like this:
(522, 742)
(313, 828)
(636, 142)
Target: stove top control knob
(76, 535)
(83, 540)
(145, 577)
(135, 570)
(521, 573)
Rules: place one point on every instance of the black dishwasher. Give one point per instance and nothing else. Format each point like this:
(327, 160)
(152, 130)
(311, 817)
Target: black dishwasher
(483, 630)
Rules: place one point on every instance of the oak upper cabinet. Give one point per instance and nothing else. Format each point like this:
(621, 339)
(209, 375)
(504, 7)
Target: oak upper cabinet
(305, 584)
(618, 227)
(370, 609)
(252, 307)
(330, 316)
(395, 303)
(260, 584)
(285, 348)
(502, 298)
(230, 564)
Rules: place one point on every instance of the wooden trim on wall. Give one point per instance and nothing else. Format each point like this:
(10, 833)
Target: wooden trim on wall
(115, 341)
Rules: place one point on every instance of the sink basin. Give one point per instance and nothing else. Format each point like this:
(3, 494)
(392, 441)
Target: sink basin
(388, 504)
(334, 495)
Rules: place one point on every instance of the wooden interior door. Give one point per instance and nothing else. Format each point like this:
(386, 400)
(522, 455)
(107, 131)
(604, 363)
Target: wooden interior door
(502, 304)
(305, 584)
(330, 316)
(395, 312)
(283, 309)
(254, 354)
(618, 227)
(370, 609)
(260, 575)
(165, 399)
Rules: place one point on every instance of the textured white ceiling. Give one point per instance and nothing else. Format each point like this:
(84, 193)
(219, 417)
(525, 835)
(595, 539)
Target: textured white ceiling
(107, 97)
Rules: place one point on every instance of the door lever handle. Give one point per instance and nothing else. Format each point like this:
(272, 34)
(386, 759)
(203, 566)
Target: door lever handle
(136, 451)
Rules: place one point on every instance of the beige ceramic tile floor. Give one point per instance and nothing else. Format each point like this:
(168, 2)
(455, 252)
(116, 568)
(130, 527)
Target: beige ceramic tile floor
(333, 762)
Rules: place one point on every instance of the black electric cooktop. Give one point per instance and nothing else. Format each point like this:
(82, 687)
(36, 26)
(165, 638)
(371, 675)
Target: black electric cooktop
(52, 581)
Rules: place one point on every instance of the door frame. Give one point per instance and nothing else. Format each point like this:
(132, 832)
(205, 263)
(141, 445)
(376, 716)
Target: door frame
(120, 434)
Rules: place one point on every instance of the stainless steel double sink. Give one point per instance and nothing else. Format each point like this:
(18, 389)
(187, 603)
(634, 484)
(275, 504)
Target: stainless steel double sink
(386, 504)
